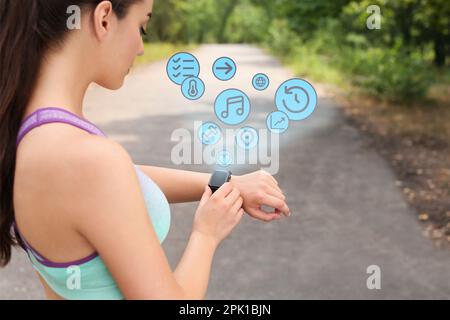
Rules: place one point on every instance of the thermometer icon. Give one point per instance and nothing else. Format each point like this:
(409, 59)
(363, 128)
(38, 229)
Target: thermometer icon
(193, 90)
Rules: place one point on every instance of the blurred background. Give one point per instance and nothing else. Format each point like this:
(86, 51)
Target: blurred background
(367, 176)
(393, 82)
(326, 40)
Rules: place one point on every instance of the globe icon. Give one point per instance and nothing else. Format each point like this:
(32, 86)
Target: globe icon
(261, 82)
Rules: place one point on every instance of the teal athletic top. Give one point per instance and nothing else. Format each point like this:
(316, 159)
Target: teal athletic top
(88, 278)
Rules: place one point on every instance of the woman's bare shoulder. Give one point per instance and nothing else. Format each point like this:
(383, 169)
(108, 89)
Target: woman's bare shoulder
(88, 160)
(94, 172)
(69, 164)
(65, 178)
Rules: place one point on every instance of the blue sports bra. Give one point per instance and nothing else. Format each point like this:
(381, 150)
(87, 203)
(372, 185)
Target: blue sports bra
(88, 278)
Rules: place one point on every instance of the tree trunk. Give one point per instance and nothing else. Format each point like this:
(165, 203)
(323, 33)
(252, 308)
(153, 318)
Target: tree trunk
(439, 50)
(223, 23)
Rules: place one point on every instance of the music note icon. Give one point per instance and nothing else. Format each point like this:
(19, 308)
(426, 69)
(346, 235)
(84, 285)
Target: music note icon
(232, 107)
(238, 102)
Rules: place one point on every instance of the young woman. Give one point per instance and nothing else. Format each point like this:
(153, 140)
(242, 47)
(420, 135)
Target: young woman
(73, 199)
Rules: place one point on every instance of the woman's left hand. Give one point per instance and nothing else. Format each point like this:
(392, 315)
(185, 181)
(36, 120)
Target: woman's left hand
(260, 188)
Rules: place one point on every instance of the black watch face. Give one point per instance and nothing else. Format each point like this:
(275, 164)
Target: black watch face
(219, 178)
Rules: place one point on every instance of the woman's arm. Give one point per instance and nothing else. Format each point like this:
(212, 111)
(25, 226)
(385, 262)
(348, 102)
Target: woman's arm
(110, 212)
(198, 255)
(178, 185)
(257, 189)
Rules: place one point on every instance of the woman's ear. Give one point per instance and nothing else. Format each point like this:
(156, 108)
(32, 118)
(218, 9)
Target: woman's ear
(103, 19)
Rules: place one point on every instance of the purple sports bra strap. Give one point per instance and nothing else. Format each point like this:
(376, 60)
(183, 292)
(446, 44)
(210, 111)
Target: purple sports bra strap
(36, 119)
(50, 115)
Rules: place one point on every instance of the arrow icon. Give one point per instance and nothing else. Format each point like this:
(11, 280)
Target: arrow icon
(224, 68)
(227, 67)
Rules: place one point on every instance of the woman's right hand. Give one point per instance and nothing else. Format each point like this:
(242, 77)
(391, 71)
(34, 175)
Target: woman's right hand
(219, 213)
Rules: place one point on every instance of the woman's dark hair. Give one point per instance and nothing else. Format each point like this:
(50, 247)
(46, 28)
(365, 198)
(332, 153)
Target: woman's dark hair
(28, 28)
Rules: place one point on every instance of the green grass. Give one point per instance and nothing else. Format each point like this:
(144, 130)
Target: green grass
(315, 66)
(385, 75)
(159, 51)
(305, 62)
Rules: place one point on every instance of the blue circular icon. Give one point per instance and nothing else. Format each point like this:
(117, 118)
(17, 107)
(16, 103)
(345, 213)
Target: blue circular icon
(277, 122)
(193, 88)
(260, 82)
(224, 158)
(247, 138)
(232, 107)
(224, 68)
(181, 66)
(209, 133)
(297, 98)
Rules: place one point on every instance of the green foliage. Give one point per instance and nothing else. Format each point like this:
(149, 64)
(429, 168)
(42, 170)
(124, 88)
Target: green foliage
(248, 24)
(391, 74)
(281, 39)
(191, 21)
(323, 39)
(160, 50)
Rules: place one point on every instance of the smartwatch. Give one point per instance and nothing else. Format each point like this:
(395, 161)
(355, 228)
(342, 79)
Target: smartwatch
(218, 178)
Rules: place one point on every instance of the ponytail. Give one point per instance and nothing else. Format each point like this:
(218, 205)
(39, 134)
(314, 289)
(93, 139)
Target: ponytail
(20, 56)
(28, 28)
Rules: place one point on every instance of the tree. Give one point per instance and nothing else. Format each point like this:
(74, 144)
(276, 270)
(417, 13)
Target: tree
(228, 8)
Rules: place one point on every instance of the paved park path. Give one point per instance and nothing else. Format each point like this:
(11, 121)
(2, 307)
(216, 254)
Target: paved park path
(347, 212)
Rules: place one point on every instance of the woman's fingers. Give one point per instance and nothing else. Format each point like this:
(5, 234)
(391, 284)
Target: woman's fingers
(271, 182)
(233, 196)
(223, 191)
(239, 215)
(237, 205)
(270, 177)
(276, 203)
(206, 195)
(276, 193)
(282, 206)
(262, 215)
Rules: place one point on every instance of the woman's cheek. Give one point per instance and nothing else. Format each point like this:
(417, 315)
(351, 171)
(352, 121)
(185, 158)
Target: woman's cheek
(138, 46)
(130, 49)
